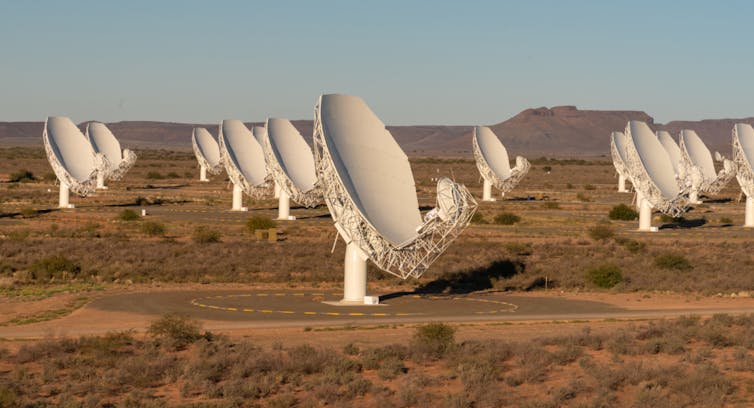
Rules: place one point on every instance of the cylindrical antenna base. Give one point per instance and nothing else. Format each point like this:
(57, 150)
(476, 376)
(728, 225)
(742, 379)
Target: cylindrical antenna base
(277, 190)
(284, 206)
(238, 199)
(487, 191)
(203, 174)
(749, 217)
(355, 276)
(645, 216)
(694, 197)
(101, 181)
(622, 184)
(65, 194)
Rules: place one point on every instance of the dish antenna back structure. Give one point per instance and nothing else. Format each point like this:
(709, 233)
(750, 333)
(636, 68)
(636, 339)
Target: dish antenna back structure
(207, 153)
(687, 175)
(370, 192)
(244, 162)
(652, 175)
(103, 141)
(493, 163)
(72, 158)
(696, 154)
(260, 134)
(618, 152)
(743, 157)
(291, 163)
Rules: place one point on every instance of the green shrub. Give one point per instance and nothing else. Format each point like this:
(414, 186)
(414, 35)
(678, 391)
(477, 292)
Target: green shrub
(623, 212)
(604, 276)
(434, 339)
(260, 222)
(128, 215)
(670, 260)
(155, 175)
(547, 169)
(601, 232)
(478, 218)
(506, 218)
(551, 205)
(22, 176)
(631, 245)
(583, 197)
(726, 220)
(56, 266)
(175, 331)
(204, 235)
(153, 228)
(173, 175)
(28, 212)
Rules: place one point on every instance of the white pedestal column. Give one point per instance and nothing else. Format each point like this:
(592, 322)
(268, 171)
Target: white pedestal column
(487, 191)
(645, 217)
(277, 190)
(622, 184)
(284, 206)
(355, 275)
(65, 194)
(101, 181)
(238, 199)
(694, 197)
(749, 217)
(203, 174)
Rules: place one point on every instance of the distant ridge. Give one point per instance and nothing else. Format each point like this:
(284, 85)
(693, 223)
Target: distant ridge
(560, 131)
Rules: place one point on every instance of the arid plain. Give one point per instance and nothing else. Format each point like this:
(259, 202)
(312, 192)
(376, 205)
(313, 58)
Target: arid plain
(523, 273)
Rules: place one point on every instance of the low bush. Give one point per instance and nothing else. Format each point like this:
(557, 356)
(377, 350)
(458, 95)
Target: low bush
(56, 266)
(22, 176)
(506, 218)
(478, 218)
(604, 276)
(260, 222)
(583, 197)
(176, 331)
(623, 212)
(726, 220)
(551, 205)
(433, 339)
(153, 228)
(671, 260)
(128, 215)
(631, 245)
(155, 175)
(204, 235)
(601, 232)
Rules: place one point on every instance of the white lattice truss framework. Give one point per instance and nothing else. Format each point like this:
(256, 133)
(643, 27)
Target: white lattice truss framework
(505, 185)
(744, 172)
(409, 259)
(82, 188)
(117, 172)
(709, 185)
(644, 184)
(309, 198)
(203, 162)
(256, 192)
(620, 166)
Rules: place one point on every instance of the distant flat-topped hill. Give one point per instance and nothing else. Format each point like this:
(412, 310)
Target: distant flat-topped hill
(561, 131)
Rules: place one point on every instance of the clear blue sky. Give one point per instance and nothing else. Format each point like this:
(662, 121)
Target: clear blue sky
(414, 62)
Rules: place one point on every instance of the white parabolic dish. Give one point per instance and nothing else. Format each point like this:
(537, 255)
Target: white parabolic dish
(71, 155)
(291, 162)
(697, 154)
(651, 169)
(370, 191)
(673, 151)
(103, 141)
(493, 162)
(618, 151)
(743, 156)
(206, 150)
(243, 158)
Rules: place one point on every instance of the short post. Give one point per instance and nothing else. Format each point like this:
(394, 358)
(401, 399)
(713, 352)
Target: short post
(645, 216)
(203, 174)
(284, 206)
(238, 199)
(64, 196)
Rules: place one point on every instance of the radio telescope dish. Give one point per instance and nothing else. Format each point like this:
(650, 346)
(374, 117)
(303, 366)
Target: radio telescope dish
(743, 157)
(493, 163)
(291, 163)
(244, 162)
(207, 153)
(696, 153)
(618, 152)
(370, 192)
(103, 141)
(260, 134)
(72, 158)
(685, 172)
(652, 175)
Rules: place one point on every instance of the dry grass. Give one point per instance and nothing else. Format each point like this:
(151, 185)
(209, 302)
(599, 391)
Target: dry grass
(687, 362)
